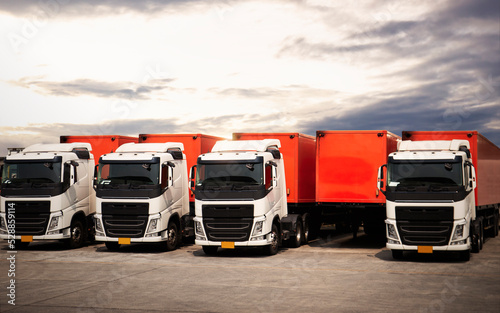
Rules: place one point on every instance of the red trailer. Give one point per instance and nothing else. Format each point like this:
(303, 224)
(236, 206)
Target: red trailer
(101, 144)
(299, 154)
(194, 145)
(486, 160)
(346, 175)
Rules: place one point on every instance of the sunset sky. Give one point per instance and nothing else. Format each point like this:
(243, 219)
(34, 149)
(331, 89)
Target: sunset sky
(72, 67)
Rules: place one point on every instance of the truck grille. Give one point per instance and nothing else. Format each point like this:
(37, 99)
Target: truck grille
(430, 226)
(31, 217)
(125, 219)
(228, 229)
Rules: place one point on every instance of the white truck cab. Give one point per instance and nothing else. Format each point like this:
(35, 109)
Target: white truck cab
(47, 194)
(142, 195)
(430, 198)
(240, 196)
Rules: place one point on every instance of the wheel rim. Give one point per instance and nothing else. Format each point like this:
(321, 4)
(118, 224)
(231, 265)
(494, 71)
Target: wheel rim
(172, 236)
(299, 233)
(274, 240)
(76, 234)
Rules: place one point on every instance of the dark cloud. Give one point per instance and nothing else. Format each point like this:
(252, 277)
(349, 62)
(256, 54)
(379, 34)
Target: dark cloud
(89, 87)
(52, 8)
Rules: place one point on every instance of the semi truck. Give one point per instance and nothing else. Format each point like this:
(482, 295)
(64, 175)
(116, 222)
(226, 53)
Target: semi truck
(442, 192)
(46, 194)
(299, 159)
(346, 169)
(194, 145)
(240, 197)
(142, 195)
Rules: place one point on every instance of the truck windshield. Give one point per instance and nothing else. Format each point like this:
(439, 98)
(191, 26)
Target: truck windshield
(31, 172)
(132, 174)
(400, 174)
(234, 175)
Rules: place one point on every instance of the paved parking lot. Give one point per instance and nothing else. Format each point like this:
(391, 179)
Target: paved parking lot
(332, 274)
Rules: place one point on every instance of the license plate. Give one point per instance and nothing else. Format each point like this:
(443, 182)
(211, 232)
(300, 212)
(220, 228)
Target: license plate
(26, 238)
(124, 241)
(424, 249)
(227, 245)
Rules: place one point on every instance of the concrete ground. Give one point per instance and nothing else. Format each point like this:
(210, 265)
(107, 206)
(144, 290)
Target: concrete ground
(332, 274)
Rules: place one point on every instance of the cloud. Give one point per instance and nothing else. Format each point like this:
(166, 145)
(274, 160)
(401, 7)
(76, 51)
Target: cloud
(89, 87)
(100, 7)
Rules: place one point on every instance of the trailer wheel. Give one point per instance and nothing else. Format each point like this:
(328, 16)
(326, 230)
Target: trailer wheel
(77, 234)
(481, 236)
(173, 236)
(112, 245)
(20, 244)
(295, 241)
(465, 255)
(272, 249)
(210, 250)
(495, 224)
(305, 232)
(397, 254)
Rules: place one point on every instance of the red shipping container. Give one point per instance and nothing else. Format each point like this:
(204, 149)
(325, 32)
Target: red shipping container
(299, 154)
(194, 145)
(347, 165)
(485, 158)
(101, 144)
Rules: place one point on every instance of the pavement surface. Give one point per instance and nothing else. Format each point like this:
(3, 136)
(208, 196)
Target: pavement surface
(334, 273)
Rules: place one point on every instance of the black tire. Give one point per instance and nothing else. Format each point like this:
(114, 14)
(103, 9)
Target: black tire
(481, 236)
(210, 250)
(465, 255)
(295, 241)
(495, 225)
(112, 245)
(78, 235)
(397, 254)
(272, 249)
(305, 233)
(21, 245)
(173, 236)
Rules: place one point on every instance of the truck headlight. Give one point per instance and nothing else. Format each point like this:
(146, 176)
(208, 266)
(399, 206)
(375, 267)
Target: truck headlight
(257, 230)
(54, 222)
(391, 232)
(153, 225)
(98, 225)
(3, 226)
(459, 232)
(198, 229)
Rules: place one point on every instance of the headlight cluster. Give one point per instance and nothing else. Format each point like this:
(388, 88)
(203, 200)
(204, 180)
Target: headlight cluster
(257, 230)
(392, 235)
(458, 235)
(154, 226)
(198, 230)
(55, 223)
(99, 230)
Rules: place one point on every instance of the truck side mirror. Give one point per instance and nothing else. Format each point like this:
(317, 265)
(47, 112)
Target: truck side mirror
(472, 179)
(192, 176)
(96, 170)
(380, 179)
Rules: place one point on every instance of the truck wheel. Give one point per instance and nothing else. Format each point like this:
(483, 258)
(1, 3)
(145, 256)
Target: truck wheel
(465, 255)
(294, 241)
(397, 254)
(305, 233)
(210, 250)
(21, 245)
(481, 236)
(495, 225)
(77, 235)
(272, 249)
(173, 236)
(112, 245)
